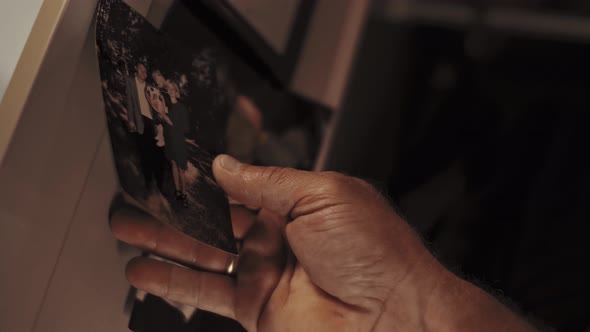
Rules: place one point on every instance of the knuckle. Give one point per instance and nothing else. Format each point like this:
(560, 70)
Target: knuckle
(177, 284)
(276, 175)
(337, 182)
(340, 184)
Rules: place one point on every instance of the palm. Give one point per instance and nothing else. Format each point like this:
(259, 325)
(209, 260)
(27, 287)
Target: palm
(273, 292)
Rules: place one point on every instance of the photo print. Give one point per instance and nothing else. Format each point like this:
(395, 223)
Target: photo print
(231, 107)
(155, 115)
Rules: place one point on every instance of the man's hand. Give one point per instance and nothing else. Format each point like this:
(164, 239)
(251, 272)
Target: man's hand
(325, 252)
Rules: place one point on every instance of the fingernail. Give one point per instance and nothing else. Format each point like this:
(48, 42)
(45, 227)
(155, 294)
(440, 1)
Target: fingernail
(229, 164)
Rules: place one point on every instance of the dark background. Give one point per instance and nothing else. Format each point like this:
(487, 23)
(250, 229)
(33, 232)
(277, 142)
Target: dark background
(479, 134)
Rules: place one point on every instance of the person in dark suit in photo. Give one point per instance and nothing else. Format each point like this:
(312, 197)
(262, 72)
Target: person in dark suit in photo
(174, 133)
(142, 121)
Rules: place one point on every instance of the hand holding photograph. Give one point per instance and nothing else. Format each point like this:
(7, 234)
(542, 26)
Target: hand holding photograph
(162, 164)
(176, 96)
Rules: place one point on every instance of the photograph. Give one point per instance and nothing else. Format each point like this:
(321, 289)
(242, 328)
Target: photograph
(175, 97)
(163, 162)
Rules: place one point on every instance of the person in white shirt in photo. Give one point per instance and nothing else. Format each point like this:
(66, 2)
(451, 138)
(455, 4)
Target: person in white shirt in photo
(143, 121)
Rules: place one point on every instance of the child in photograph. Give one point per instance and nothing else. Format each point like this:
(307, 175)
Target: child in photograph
(174, 134)
(157, 97)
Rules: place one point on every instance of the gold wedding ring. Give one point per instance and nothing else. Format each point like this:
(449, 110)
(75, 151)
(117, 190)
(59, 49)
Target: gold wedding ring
(231, 265)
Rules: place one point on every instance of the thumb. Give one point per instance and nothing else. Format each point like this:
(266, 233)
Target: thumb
(273, 188)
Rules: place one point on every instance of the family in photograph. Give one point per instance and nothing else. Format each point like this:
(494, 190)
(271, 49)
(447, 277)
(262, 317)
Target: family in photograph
(163, 128)
(158, 117)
